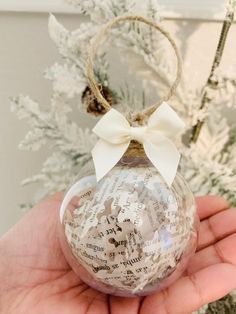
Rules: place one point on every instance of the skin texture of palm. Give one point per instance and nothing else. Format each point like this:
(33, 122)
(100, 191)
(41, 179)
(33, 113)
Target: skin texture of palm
(36, 278)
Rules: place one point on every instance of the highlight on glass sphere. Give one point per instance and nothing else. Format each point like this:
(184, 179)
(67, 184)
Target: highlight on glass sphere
(128, 234)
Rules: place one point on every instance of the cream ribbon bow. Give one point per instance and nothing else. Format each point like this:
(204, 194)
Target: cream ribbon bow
(115, 134)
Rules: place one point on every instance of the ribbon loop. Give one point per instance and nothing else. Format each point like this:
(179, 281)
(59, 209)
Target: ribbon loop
(115, 135)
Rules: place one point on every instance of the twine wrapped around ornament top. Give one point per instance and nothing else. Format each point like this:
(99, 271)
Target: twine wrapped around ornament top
(97, 42)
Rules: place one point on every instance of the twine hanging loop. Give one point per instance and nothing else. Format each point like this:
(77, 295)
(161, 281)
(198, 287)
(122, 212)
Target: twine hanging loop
(97, 41)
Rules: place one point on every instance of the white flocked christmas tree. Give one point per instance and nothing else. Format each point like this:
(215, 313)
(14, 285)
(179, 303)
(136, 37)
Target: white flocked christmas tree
(208, 163)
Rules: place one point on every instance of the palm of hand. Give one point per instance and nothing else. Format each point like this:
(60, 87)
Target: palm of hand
(35, 277)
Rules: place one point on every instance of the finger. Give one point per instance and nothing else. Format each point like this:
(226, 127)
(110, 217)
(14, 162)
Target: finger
(210, 205)
(36, 234)
(55, 197)
(216, 227)
(189, 293)
(221, 252)
(119, 305)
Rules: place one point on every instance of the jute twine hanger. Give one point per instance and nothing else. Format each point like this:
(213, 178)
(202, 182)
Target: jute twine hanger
(97, 41)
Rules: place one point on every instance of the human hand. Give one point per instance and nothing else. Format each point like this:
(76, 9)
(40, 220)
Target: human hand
(35, 277)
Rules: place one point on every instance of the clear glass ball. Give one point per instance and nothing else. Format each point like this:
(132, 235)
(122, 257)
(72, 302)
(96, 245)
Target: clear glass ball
(129, 234)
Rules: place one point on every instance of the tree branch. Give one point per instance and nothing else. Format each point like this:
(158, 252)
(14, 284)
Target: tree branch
(211, 82)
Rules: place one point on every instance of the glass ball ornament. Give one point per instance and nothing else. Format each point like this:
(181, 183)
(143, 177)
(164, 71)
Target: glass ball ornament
(128, 234)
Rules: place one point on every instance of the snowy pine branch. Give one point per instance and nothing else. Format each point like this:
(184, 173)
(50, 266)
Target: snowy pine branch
(208, 164)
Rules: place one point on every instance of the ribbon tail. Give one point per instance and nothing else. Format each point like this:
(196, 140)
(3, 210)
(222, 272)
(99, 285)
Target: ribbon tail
(106, 156)
(165, 157)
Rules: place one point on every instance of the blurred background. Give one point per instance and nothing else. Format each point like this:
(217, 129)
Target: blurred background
(26, 50)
